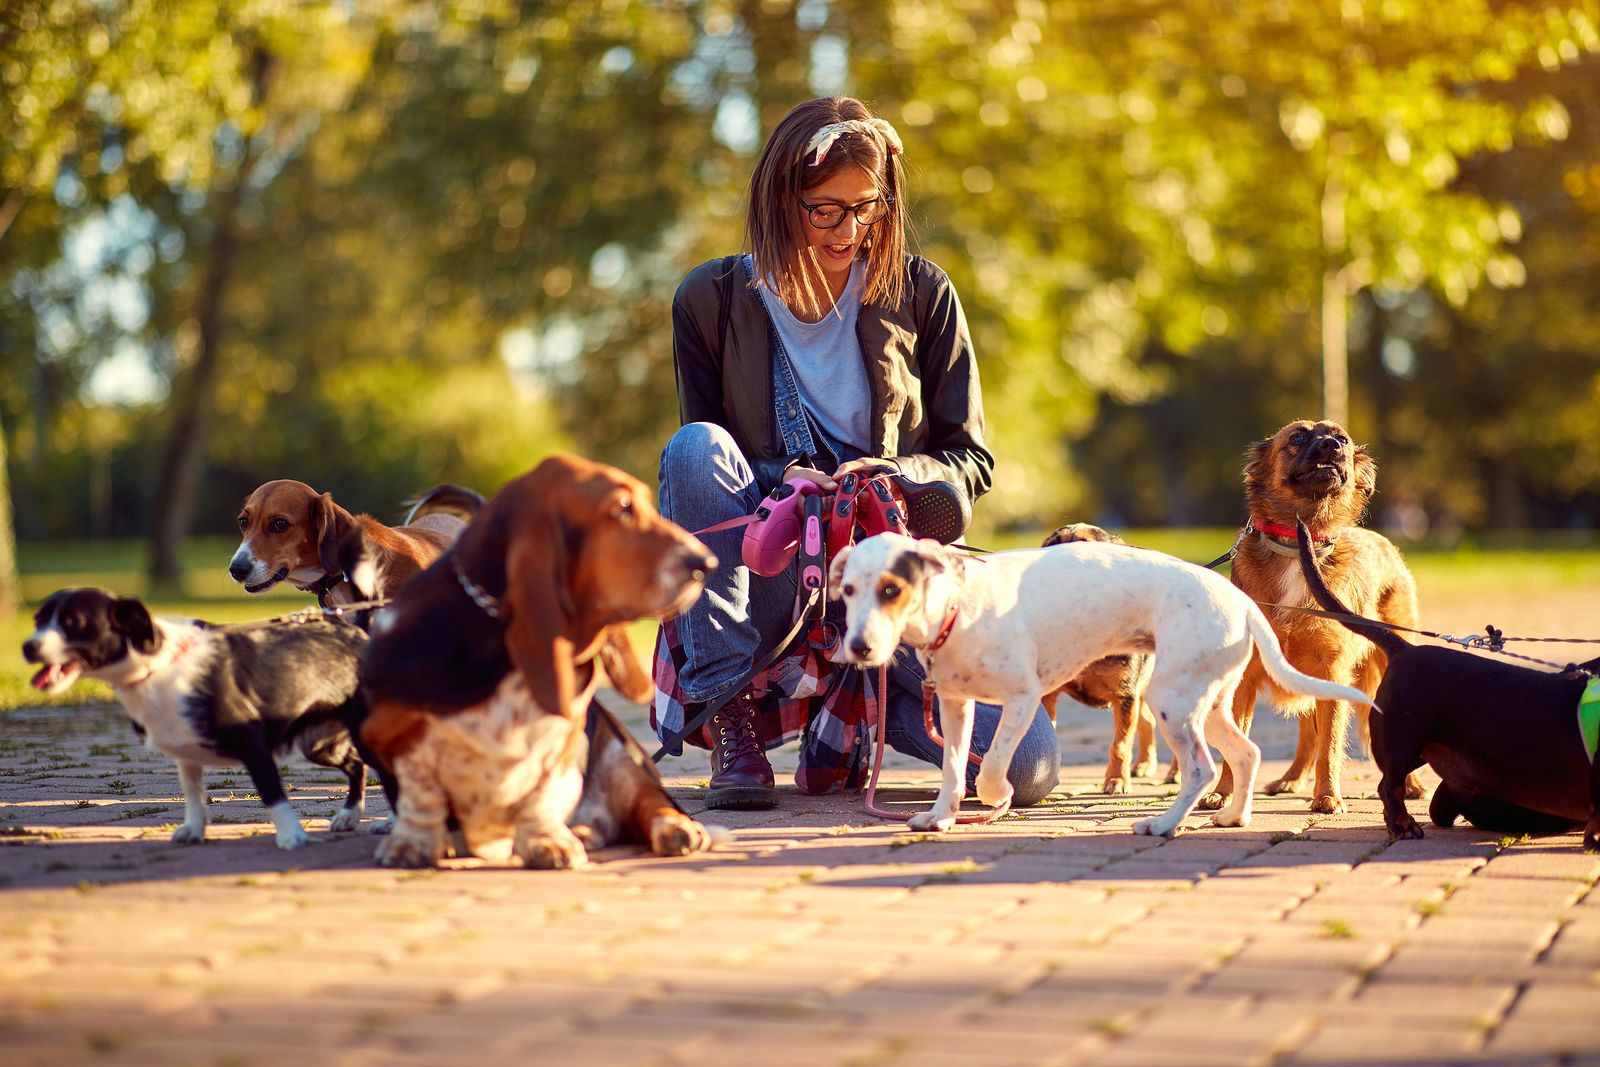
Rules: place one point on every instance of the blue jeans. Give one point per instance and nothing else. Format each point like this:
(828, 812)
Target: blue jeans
(705, 479)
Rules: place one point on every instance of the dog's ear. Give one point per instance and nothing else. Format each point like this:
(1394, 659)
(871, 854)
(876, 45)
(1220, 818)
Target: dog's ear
(539, 632)
(329, 528)
(932, 556)
(623, 667)
(1366, 473)
(836, 571)
(1258, 462)
(132, 620)
(358, 562)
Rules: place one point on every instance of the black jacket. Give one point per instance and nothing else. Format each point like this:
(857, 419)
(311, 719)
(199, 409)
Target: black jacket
(927, 410)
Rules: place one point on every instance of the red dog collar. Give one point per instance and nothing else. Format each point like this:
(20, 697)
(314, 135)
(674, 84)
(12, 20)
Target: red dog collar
(1288, 533)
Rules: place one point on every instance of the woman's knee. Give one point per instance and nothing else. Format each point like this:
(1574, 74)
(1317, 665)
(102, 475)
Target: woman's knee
(1036, 766)
(695, 445)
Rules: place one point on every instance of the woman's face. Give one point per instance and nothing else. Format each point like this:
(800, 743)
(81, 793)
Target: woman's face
(836, 249)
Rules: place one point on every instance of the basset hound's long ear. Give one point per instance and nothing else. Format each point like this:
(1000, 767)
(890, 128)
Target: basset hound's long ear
(623, 667)
(325, 520)
(539, 633)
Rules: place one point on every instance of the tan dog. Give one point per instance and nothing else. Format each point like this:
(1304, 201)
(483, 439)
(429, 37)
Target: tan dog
(479, 675)
(292, 533)
(1311, 472)
(1115, 682)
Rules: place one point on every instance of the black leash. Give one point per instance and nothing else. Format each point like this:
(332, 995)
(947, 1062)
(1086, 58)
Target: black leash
(1492, 641)
(802, 620)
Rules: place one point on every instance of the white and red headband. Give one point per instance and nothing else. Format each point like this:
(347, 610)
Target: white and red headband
(823, 139)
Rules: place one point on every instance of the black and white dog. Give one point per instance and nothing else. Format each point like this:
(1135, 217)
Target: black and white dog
(215, 695)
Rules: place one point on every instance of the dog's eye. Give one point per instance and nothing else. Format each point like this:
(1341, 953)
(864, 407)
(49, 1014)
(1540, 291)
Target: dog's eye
(279, 525)
(889, 592)
(847, 589)
(624, 508)
(1297, 439)
(244, 524)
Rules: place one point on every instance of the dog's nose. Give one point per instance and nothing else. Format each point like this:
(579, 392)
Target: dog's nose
(239, 569)
(1328, 446)
(699, 560)
(860, 648)
(30, 650)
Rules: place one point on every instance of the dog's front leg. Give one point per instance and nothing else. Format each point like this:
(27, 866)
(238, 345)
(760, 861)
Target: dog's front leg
(417, 838)
(256, 756)
(192, 831)
(955, 721)
(1333, 722)
(994, 787)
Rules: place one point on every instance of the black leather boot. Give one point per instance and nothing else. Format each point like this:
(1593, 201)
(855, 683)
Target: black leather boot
(741, 777)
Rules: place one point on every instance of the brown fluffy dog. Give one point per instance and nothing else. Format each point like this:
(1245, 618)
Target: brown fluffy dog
(1116, 682)
(1311, 472)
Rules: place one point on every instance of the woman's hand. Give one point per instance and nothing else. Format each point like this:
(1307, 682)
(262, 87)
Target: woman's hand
(813, 476)
(864, 464)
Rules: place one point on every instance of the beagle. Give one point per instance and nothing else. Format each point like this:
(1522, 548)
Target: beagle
(292, 533)
(1010, 626)
(215, 695)
(479, 674)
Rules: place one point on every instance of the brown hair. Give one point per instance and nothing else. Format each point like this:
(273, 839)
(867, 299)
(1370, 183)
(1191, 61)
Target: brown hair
(773, 219)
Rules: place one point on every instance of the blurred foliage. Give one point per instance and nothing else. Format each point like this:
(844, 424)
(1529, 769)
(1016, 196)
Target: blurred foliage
(462, 224)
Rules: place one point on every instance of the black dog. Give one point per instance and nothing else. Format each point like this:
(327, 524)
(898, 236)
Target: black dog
(1505, 740)
(215, 695)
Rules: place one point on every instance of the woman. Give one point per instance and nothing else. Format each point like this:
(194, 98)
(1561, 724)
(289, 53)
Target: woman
(823, 350)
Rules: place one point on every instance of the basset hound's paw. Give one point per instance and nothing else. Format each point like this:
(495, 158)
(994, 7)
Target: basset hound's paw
(546, 851)
(1211, 801)
(408, 848)
(1113, 785)
(189, 833)
(345, 819)
(673, 834)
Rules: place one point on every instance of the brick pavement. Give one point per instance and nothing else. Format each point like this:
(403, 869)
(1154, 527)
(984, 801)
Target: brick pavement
(819, 936)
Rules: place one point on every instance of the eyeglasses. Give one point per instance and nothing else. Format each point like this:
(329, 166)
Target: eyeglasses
(868, 212)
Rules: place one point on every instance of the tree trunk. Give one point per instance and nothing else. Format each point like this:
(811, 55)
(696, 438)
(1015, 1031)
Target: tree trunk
(1335, 307)
(10, 589)
(194, 398)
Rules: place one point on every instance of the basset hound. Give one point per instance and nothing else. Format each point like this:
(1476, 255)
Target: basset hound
(293, 533)
(479, 674)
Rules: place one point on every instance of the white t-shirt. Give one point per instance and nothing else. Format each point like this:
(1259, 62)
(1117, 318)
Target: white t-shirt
(827, 362)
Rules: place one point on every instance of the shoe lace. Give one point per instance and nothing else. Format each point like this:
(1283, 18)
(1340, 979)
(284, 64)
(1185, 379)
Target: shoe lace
(736, 730)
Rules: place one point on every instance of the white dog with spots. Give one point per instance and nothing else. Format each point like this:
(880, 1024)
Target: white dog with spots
(1009, 627)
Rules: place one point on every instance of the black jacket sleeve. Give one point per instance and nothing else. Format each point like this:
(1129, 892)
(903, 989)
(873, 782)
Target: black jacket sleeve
(696, 357)
(951, 395)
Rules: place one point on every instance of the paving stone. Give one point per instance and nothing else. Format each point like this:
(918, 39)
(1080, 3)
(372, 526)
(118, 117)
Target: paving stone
(818, 937)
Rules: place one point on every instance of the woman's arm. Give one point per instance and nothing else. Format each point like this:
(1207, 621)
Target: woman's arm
(951, 396)
(697, 362)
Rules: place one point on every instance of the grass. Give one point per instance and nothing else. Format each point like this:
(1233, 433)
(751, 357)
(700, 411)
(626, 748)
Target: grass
(1485, 570)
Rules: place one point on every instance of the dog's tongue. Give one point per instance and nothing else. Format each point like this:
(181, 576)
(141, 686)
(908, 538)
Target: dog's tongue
(48, 675)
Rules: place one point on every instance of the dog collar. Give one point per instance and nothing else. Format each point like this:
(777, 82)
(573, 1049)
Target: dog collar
(953, 612)
(1285, 540)
(480, 596)
(1288, 533)
(182, 649)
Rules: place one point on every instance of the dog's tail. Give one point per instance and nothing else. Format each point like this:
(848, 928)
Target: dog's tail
(1386, 639)
(449, 499)
(1280, 670)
